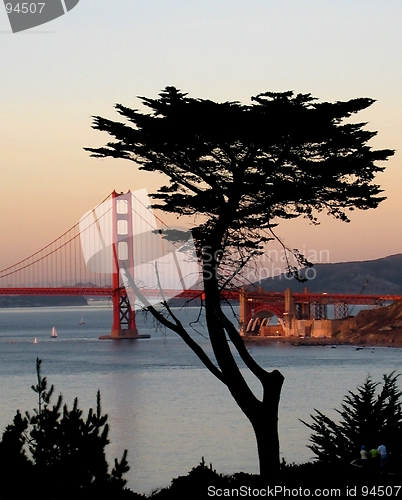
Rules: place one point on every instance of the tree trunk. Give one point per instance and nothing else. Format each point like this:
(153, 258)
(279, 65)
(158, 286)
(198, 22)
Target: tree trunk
(266, 434)
(263, 415)
(264, 420)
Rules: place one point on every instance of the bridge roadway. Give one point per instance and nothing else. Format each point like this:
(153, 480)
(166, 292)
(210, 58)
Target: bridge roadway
(106, 291)
(323, 298)
(268, 297)
(101, 291)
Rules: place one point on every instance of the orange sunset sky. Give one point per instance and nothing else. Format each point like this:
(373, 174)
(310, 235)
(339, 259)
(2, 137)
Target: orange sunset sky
(56, 76)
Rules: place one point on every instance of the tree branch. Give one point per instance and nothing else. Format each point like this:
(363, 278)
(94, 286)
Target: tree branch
(177, 328)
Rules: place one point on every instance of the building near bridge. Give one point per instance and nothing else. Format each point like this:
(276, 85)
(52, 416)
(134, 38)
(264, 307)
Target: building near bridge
(299, 314)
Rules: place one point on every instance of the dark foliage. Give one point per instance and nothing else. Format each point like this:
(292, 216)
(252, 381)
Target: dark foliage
(302, 480)
(55, 453)
(246, 166)
(368, 417)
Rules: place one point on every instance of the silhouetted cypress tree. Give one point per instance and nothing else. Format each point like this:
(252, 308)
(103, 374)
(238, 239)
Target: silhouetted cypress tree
(368, 418)
(238, 170)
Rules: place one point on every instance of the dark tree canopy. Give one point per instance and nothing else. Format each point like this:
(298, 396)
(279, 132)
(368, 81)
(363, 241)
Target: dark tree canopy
(246, 166)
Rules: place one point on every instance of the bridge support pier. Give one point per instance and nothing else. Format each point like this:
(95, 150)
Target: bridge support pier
(124, 326)
(124, 334)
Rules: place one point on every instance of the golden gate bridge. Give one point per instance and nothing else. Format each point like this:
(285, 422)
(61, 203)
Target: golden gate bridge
(87, 259)
(123, 232)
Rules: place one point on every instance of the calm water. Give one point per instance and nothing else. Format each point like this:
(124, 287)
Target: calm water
(163, 405)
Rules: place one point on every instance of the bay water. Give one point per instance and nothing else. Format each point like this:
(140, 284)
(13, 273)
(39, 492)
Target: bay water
(164, 406)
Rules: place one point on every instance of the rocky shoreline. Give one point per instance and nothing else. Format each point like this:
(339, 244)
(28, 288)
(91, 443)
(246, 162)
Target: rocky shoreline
(333, 341)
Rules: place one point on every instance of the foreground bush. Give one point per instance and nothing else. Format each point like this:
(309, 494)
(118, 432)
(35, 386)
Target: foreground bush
(306, 480)
(368, 417)
(56, 453)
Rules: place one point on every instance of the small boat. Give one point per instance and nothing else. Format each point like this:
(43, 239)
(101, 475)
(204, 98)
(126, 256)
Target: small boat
(53, 335)
(35, 340)
(82, 322)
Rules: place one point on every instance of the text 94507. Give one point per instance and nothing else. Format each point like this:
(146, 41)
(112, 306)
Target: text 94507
(25, 7)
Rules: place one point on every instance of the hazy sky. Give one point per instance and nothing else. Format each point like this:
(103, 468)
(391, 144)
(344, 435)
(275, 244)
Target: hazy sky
(56, 76)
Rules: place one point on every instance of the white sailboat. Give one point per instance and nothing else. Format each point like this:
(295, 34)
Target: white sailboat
(35, 340)
(82, 322)
(54, 333)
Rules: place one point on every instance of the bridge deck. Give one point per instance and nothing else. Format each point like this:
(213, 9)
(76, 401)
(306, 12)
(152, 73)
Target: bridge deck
(321, 298)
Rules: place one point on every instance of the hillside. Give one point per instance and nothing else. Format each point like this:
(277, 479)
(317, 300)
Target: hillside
(371, 276)
(381, 326)
(41, 301)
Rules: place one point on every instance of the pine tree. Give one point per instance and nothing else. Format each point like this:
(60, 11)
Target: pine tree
(367, 417)
(59, 451)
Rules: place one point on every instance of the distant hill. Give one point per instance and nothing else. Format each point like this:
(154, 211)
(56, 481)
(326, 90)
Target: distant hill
(41, 301)
(370, 276)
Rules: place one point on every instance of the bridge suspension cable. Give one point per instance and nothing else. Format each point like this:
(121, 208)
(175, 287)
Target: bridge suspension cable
(58, 264)
(64, 262)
